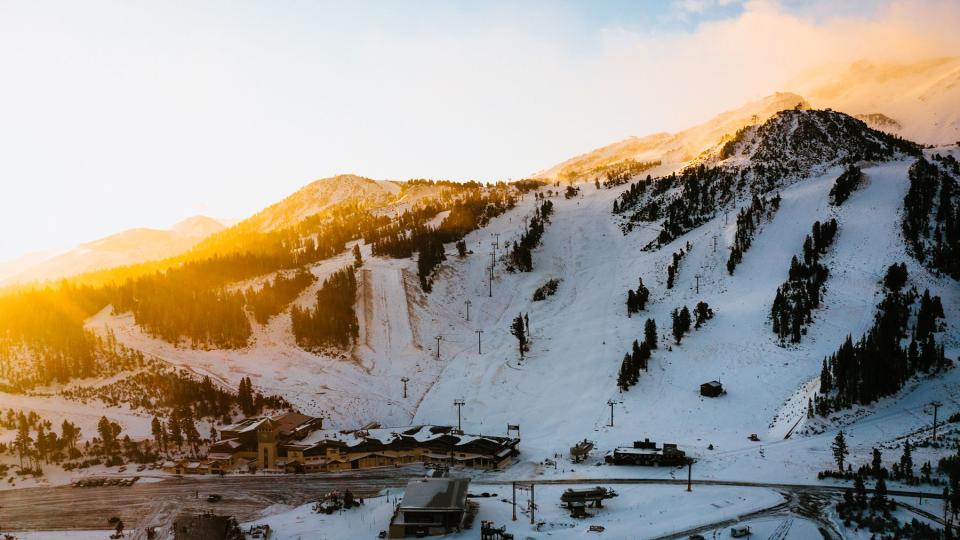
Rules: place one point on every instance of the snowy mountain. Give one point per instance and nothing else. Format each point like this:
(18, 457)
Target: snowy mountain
(917, 100)
(417, 351)
(321, 195)
(673, 149)
(124, 248)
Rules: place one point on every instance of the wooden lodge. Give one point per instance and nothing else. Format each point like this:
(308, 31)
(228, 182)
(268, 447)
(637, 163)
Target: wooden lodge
(297, 443)
(711, 389)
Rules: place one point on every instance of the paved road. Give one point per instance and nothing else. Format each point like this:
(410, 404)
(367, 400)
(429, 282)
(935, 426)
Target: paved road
(245, 497)
(736, 483)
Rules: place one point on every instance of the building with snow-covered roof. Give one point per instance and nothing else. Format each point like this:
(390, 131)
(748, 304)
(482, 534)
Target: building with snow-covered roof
(431, 506)
(298, 444)
(259, 441)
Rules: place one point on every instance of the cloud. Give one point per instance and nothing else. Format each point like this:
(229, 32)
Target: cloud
(146, 115)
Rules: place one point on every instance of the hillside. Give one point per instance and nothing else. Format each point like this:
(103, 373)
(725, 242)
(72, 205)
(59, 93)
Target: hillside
(580, 334)
(122, 249)
(677, 233)
(673, 149)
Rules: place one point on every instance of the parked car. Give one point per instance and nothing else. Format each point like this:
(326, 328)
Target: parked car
(740, 531)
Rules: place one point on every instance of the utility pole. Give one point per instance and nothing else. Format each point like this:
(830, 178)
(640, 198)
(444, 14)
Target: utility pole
(404, 380)
(936, 405)
(468, 302)
(689, 476)
(514, 501)
(533, 503)
(479, 345)
(611, 403)
(438, 346)
(458, 403)
(697, 276)
(491, 281)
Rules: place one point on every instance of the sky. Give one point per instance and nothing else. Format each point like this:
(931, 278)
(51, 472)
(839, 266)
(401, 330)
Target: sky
(121, 114)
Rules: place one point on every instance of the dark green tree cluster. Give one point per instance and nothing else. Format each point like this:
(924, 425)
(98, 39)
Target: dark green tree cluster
(748, 219)
(874, 512)
(680, 320)
(702, 190)
(175, 310)
(845, 184)
(332, 321)
(701, 313)
(430, 255)
(632, 195)
(36, 441)
(878, 365)
(793, 142)
(621, 172)
(637, 300)
(633, 361)
(674, 266)
(520, 256)
(471, 209)
(931, 218)
(43, 339)
(547, 289)
(801, 294)
(160, 390)
(276, 294)
(650, 334)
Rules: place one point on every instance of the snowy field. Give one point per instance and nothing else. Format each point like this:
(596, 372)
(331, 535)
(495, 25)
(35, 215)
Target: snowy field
(637, 513)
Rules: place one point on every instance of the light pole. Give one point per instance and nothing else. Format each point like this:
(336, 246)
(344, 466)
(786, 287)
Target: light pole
(936, 405)
(458, 403)
(479, 345)
(491, 281)
(611, 403)
(404, 380)
(468, 302)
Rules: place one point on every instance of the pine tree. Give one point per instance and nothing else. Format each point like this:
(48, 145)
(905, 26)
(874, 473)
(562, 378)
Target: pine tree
(906, 461)
(650, 334)
(357, 257)
(517, 330)
(157, 429)
(879, 500)
(876, 463)
(840, 450)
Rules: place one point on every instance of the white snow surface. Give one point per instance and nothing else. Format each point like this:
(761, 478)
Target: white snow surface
(558, 394)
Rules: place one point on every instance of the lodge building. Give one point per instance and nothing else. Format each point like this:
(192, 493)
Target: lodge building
(292, 442)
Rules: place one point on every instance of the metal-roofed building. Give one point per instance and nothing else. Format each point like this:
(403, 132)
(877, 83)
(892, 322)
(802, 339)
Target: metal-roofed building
(431, 506)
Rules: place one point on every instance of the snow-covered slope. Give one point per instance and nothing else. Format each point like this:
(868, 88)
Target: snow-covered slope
(559, 393)
(121, 249)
